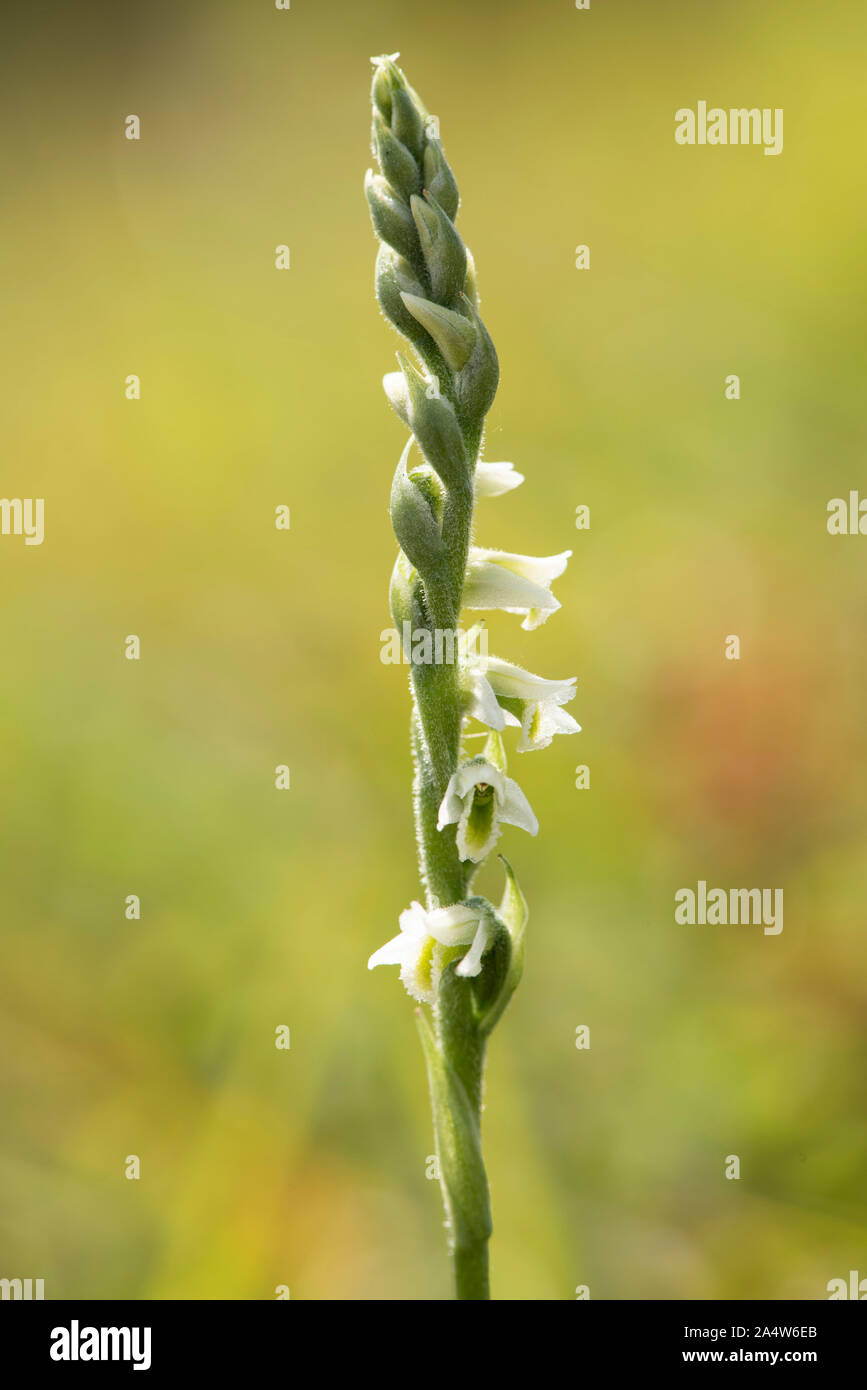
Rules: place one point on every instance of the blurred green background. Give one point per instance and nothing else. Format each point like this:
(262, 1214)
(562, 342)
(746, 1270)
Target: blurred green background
(259, 908)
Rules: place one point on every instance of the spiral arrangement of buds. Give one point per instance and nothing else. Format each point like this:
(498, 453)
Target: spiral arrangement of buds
(458, 953)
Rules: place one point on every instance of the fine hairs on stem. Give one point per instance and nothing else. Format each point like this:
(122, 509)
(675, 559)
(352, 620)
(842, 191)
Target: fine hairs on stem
(460, 957)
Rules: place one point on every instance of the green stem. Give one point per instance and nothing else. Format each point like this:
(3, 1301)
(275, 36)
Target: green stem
(463, 1046)
(458, 1035)
(441, 870)
(472, 1278)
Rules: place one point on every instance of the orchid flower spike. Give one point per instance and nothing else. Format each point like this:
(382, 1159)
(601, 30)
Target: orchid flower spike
(457, 954)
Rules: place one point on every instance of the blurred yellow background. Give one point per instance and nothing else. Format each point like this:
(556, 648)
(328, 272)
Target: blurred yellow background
(259, 647)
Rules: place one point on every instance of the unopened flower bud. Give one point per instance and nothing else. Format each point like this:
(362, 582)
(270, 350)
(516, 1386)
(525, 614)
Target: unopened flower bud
(395, 275)
(439, 179)
(444, 253)
(454, 335)
(395, 160)
(476, 384)
(412, 517)
(392, 220)
(433, 421)
(407, 122)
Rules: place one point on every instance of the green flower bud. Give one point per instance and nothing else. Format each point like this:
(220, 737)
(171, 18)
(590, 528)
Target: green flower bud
(414, 523)
(488, 986)
(395, 275)
(395, 160)
(380, 91)
(444, 253)
(476, 383)
(406, 597)
(504, 963)
(407, 122)
(434, 423)
(431, 488)
(395, 81)
(392, 220)
(454, 335)
(439, 179)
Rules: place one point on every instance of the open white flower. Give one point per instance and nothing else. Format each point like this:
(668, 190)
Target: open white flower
(480, 799)
(540, 722)
(515, 583)
(493, 479)
(501, 693)
(427, 941)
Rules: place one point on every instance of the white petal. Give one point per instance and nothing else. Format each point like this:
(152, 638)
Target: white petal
(515, 683)
(539, 569)
(394, 952)
(394, 384)
(453, 926)
(471, 964)
(561, 721)
(537, 616)
(493, 479)
(471, 774)
(451, 805)
(493, 586)
(516, 809)
(483, 703)
(414, 921)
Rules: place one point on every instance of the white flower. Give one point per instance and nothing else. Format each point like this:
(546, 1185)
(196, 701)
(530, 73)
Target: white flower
(540, 722)
(500, 692)
(493, 479)
(516, 583)
(426, 942)
(480, 799)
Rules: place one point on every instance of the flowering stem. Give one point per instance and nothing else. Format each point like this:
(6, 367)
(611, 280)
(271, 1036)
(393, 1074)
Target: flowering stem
(458, 954)
(424, 285)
